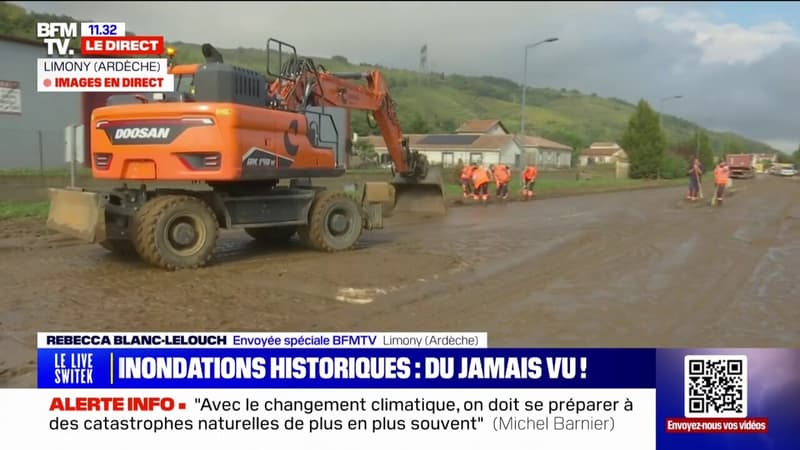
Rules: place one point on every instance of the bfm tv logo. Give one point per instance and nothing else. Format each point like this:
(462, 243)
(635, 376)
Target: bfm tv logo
(97, 39)
(57, 36)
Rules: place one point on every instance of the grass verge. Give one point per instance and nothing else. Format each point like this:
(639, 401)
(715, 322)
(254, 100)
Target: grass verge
(19, 210)
(544, 188)
(81, 172)
(553, 188)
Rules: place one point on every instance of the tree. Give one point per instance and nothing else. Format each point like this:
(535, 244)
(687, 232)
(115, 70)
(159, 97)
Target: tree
(447, 125)
(796, 156)
(644, 142)
(705, 153)
(731, 147)
(365, 151)
(686, 149)
(418, 125)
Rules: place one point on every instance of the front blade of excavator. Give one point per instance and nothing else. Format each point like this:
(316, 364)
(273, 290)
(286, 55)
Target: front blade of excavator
(420, 196)
(77, 213)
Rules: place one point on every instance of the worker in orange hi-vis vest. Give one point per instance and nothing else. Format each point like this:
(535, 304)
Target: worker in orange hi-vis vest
(466, 179)
(528, 181)
(480, 182)
(502, 176)
(721, 174)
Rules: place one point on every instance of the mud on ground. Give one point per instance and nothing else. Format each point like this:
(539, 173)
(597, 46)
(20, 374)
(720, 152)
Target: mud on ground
(638, 268)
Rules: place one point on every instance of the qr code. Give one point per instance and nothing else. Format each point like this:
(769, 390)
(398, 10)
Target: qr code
(715, 386)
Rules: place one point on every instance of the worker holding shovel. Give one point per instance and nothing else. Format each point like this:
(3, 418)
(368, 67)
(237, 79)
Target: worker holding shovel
(721, 174)
(528, 181)
(695, 180)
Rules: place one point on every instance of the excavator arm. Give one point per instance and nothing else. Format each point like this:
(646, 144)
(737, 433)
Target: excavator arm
(338, 90)
(315, 88)
(417, 189)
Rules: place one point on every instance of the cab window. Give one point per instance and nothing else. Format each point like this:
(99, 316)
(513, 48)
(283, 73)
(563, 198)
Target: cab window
(184, 84)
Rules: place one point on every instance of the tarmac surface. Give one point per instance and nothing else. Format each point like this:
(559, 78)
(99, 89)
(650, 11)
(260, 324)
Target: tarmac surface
(628, 269)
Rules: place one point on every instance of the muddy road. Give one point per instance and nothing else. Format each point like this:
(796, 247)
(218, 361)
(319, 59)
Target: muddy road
(640, 268)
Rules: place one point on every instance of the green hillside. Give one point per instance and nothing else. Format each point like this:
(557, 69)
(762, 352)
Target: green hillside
(440, 102)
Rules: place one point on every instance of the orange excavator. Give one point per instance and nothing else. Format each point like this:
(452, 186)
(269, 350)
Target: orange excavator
(229, 129)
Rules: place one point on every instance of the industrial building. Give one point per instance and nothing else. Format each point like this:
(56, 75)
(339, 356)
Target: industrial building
(31, 123)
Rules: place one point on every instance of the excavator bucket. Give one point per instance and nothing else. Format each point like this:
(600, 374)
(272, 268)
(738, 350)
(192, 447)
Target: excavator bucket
(77, 213)
(420, 196)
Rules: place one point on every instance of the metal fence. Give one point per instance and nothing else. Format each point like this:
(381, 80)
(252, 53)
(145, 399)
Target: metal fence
(32, 161)
(32, 150)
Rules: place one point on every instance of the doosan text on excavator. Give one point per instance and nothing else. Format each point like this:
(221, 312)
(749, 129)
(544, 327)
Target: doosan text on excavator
(240, 135)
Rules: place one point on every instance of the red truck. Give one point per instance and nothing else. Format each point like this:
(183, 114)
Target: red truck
(742, 165)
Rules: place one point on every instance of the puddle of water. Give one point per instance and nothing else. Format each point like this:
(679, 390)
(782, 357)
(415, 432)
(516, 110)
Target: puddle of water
(358, 296)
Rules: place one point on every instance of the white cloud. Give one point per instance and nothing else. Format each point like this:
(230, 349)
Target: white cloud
(649, 13)
(787, 146)
(728, 43)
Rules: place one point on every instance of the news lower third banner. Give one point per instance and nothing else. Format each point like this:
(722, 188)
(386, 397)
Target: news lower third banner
(395, 390)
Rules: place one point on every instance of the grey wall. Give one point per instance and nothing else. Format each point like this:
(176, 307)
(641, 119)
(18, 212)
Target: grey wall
(48, 113)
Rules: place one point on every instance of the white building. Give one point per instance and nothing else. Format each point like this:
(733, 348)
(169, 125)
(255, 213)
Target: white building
(450, 149)
(602, 153)
(482, 141)
(545, 153)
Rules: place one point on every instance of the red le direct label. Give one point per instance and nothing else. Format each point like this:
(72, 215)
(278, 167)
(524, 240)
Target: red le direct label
(122, 45)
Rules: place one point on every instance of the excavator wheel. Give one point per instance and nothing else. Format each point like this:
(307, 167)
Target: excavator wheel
(334, 223)
(272, 235)
(176, 232)
(119, 247)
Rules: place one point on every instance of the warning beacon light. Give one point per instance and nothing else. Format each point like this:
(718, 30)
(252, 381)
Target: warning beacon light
(171, 56)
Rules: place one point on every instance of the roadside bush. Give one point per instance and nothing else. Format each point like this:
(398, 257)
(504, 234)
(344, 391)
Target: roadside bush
(673, 167)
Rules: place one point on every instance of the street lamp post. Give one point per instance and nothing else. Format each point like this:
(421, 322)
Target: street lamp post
(525, 81)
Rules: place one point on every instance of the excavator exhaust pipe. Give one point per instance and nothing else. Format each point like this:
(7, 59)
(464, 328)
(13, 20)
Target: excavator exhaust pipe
(420, 196)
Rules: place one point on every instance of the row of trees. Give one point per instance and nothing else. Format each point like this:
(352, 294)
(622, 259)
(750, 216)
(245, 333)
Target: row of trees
(650, 157)
(646, 145)
(644, 141)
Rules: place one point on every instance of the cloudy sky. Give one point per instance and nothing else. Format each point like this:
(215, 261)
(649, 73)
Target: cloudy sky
(735, 64)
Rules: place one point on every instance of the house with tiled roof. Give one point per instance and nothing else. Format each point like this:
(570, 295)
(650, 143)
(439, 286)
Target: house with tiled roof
(545, 153)
(602, 153)
(451, 149)
(482, 141)
(491, 127)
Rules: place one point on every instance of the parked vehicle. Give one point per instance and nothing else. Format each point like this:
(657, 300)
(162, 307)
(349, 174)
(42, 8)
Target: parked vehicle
(786, 170)
(741, 165)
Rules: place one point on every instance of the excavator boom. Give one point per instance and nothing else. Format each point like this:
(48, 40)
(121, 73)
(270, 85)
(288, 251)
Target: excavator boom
(418, 189)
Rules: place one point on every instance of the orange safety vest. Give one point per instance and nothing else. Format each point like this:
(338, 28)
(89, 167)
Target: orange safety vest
(530, 173)
(501, 173)
(466, 173)
(721, 175)
(480, 176)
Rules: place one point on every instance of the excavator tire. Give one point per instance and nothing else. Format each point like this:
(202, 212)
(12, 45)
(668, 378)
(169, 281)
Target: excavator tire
(176, 232)
(272, 235)
(119, 247)
(334, 223)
